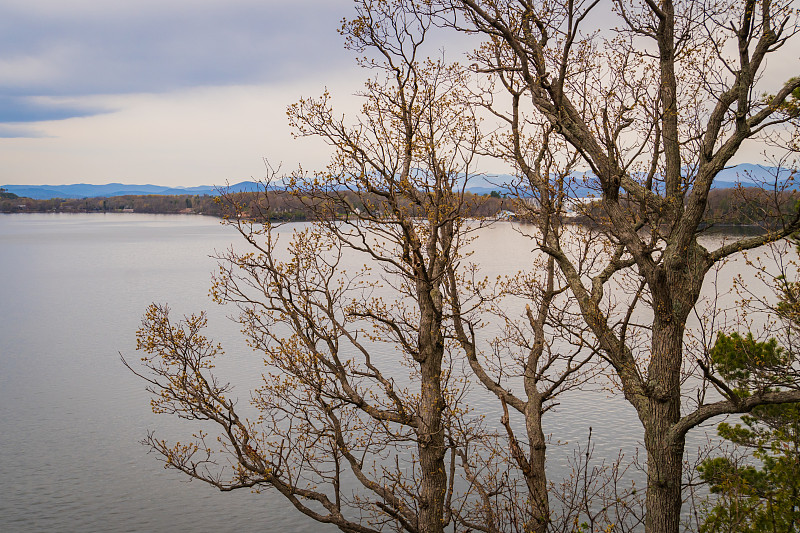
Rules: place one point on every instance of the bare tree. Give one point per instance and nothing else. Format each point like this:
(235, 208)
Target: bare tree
(344, 437)
(335, 429)
(656, 108)
(547, 353)
(353, 444)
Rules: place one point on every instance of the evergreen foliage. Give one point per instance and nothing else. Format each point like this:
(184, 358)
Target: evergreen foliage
(758, 491)
(764, 494)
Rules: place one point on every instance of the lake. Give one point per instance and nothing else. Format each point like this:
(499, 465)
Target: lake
(74, 288)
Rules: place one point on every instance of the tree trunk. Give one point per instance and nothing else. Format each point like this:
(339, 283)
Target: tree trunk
(537, 480)
(431, 451)
(430, 434)
(664, 458)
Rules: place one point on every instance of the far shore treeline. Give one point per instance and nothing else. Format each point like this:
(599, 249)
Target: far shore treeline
(735, 206)
(274, 205)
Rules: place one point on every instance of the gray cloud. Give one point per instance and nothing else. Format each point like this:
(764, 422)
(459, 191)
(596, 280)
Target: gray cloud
(21, 109)
(19, 132)
(127, 46)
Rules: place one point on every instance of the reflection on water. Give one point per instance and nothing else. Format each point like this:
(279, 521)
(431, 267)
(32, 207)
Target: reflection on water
(74, 288)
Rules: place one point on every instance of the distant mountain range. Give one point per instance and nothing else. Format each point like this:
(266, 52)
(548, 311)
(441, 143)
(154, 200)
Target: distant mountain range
(746, 174)
(85, 190)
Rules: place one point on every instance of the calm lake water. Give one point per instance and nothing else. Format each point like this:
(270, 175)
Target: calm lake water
(74, 288)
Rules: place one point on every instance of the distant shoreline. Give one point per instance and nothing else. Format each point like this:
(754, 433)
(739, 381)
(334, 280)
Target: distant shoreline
(735, 208)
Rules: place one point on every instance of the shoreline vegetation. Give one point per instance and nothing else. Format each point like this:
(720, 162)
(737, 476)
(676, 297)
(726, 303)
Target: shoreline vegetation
(274, 205)
(738, 206)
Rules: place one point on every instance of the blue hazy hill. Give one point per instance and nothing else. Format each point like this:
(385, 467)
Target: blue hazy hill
(85, 190)
(584, 184)
(747, 174)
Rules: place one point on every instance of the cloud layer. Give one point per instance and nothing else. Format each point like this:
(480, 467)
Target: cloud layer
(176, 92)
(53, 48)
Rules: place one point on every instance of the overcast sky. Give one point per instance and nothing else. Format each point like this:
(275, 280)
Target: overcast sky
(168, 92)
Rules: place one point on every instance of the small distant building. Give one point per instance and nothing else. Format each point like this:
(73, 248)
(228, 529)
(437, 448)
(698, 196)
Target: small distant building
(576, 206)
(506, 215)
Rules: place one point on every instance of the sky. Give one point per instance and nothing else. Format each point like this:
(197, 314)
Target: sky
(171, 92)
